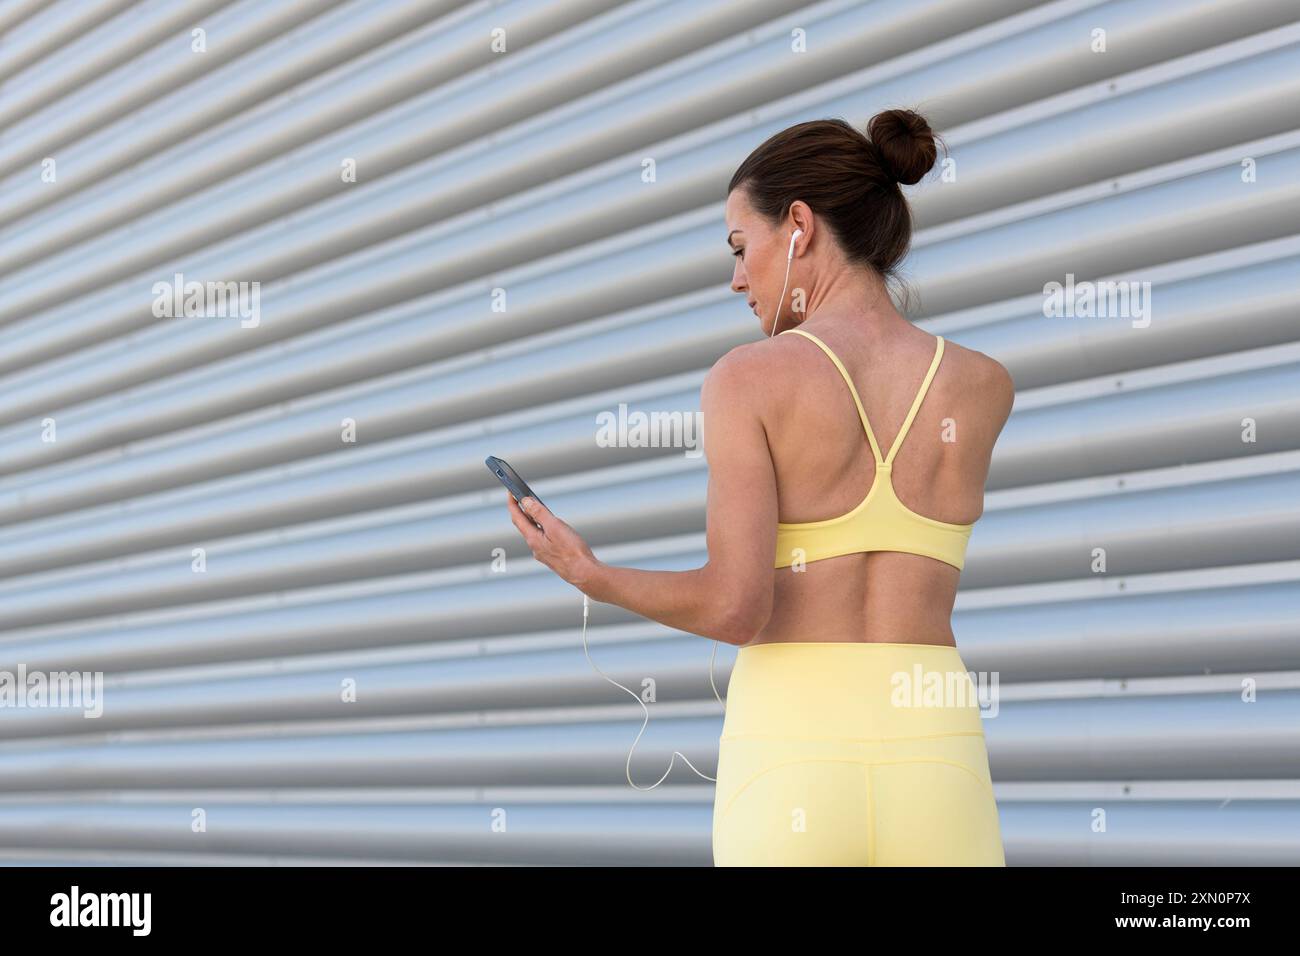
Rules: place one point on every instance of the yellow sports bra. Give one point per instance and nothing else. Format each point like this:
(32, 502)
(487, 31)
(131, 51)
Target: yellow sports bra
(881, 522)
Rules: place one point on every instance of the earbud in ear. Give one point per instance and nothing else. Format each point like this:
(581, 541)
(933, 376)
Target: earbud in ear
(793, 240)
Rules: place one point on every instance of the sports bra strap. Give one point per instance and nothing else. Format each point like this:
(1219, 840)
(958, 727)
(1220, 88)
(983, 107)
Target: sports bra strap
(920, 397)
(862, 414)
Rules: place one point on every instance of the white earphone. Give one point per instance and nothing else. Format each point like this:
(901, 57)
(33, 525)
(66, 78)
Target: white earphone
(586, 607)
(789, 260)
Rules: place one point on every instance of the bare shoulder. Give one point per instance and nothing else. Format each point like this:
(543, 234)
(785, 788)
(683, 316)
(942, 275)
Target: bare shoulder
(984, 375)
(748, 370)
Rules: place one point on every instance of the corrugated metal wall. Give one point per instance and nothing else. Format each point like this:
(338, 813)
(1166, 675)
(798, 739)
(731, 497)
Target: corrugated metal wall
(273, 532)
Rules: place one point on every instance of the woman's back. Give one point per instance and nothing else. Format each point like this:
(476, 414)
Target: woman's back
(824, 466)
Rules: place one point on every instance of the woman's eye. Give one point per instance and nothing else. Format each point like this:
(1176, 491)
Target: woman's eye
(738, 252)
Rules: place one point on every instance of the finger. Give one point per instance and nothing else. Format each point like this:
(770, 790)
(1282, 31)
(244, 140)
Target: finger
(535, 510)
(522, 522)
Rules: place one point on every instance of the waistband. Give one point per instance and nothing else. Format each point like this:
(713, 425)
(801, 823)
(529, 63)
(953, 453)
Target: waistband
(854, 690)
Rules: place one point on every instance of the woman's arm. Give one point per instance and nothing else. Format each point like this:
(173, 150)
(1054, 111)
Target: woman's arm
(686, 600)
(730, 598)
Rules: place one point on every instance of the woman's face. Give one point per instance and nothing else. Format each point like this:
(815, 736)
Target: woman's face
(760, 253)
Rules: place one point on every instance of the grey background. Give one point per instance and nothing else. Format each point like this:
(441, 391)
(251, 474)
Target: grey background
(372, 561)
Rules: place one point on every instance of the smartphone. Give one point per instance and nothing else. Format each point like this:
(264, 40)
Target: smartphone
(510, 478)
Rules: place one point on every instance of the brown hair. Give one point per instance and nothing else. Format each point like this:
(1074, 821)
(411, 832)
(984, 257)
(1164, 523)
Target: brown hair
(848, 178)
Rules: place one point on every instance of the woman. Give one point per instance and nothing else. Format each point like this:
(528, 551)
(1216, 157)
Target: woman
(852, 735)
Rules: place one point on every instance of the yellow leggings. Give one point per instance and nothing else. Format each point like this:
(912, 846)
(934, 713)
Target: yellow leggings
(853, 754)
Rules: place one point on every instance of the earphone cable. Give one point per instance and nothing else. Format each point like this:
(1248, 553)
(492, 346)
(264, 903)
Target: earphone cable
(676, 753)
(586, 606)
(789, 261)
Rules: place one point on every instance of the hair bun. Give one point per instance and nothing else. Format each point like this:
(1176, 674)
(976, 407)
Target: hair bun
(905, 143)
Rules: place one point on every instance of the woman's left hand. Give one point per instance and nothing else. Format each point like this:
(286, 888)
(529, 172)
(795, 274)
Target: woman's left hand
(557, 545)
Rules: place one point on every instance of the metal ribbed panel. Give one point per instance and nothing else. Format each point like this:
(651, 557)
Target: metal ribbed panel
(333, 564)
